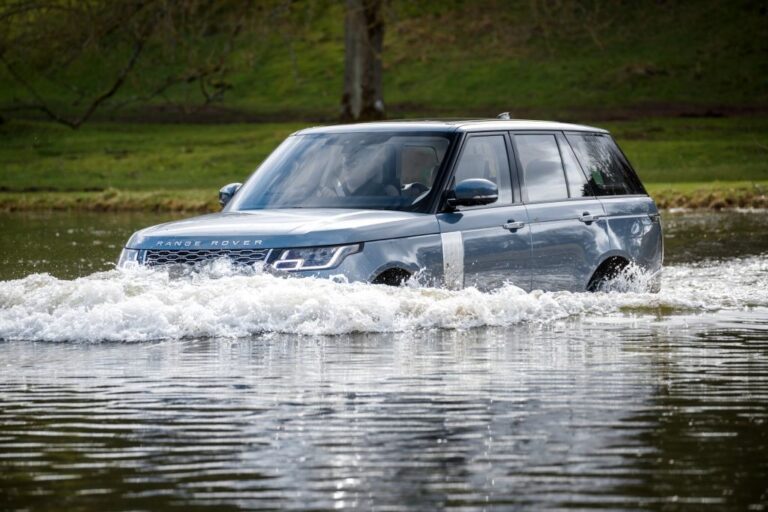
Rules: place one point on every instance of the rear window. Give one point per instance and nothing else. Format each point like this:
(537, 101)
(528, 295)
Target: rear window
(608, 172)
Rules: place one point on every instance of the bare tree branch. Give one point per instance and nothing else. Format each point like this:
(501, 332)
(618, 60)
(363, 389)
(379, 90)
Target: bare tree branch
(64, 56)
(42, 106)
(119, 81)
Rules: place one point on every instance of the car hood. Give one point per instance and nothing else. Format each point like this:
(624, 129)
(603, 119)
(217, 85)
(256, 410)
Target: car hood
(283, 228)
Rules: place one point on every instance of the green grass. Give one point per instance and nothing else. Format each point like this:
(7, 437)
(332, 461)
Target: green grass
(46, 157)
(108, 166)
(696, 149)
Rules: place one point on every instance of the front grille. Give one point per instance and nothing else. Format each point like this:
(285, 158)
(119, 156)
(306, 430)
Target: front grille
(154, 257)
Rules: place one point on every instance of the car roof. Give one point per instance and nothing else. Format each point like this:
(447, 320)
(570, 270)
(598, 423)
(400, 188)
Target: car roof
(451, 125)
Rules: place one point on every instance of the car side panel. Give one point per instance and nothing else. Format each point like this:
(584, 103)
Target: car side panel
(492, 255)
(634, 228)
(565, 250)
(420, 255)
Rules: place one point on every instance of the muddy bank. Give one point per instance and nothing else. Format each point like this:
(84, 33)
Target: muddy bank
(111, 200)
(705, 196)
(711, 197)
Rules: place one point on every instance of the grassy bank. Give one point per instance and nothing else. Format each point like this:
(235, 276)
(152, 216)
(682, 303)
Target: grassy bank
(714, 195)
(694, 162)
(112, 200)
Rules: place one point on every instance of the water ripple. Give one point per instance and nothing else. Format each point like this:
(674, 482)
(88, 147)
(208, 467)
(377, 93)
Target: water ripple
(648, 418)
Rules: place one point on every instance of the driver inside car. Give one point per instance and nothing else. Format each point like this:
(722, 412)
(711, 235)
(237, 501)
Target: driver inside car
(362, 174)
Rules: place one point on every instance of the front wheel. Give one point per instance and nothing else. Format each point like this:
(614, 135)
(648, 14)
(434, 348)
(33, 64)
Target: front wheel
(393, 277)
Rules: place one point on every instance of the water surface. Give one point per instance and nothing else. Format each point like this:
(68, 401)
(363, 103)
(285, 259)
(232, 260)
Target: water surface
(146, 391)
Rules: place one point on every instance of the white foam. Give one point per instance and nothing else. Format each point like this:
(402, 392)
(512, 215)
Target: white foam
(146, 304)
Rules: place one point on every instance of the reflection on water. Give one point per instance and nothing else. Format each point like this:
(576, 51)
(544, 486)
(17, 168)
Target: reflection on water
(696, 235)
(562, 401)
(539, 418)
(66, 244)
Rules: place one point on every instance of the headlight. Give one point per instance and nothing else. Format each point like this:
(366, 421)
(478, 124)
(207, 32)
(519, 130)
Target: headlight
(128, 258)
(314, 258)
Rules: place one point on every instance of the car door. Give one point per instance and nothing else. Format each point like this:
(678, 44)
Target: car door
(568, 228)
(631, 216)
(487, 246)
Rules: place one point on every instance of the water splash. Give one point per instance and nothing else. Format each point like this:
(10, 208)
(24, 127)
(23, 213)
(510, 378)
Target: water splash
(631, 278)
(147, 304)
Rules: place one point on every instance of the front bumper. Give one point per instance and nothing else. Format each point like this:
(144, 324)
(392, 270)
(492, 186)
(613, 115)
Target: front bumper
(418, 254)
(353, 267)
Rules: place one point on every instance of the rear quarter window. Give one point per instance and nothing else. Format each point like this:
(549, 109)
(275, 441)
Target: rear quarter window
(608, 172)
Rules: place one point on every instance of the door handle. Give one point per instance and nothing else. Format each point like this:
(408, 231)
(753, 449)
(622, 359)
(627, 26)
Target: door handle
(588, 218)
(512, 225)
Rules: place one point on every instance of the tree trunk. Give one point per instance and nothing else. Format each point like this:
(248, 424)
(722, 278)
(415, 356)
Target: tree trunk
(363, 39)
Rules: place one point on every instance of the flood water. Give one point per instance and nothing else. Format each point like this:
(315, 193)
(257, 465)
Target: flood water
(144, 391)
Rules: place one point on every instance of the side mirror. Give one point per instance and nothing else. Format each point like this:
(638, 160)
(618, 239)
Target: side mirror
(473, 192)
(227, 191)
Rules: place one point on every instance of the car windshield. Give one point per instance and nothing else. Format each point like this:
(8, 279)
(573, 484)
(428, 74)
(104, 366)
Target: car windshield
(371, 170)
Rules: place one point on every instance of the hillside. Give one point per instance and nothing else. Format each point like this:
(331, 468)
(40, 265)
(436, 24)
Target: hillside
(567, 60)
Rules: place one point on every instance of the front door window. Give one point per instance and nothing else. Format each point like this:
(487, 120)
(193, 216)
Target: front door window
(486, 157)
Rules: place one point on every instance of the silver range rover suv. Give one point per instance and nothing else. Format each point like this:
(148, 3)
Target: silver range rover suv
(541, 205)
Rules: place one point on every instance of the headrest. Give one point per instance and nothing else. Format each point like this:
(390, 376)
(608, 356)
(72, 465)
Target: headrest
(472, 166)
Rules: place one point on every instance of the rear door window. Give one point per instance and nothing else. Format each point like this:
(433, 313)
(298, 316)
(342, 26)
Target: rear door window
(543, 173)
(608, 172)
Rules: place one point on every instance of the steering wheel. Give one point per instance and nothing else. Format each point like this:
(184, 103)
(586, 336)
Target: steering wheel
(414, 189)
